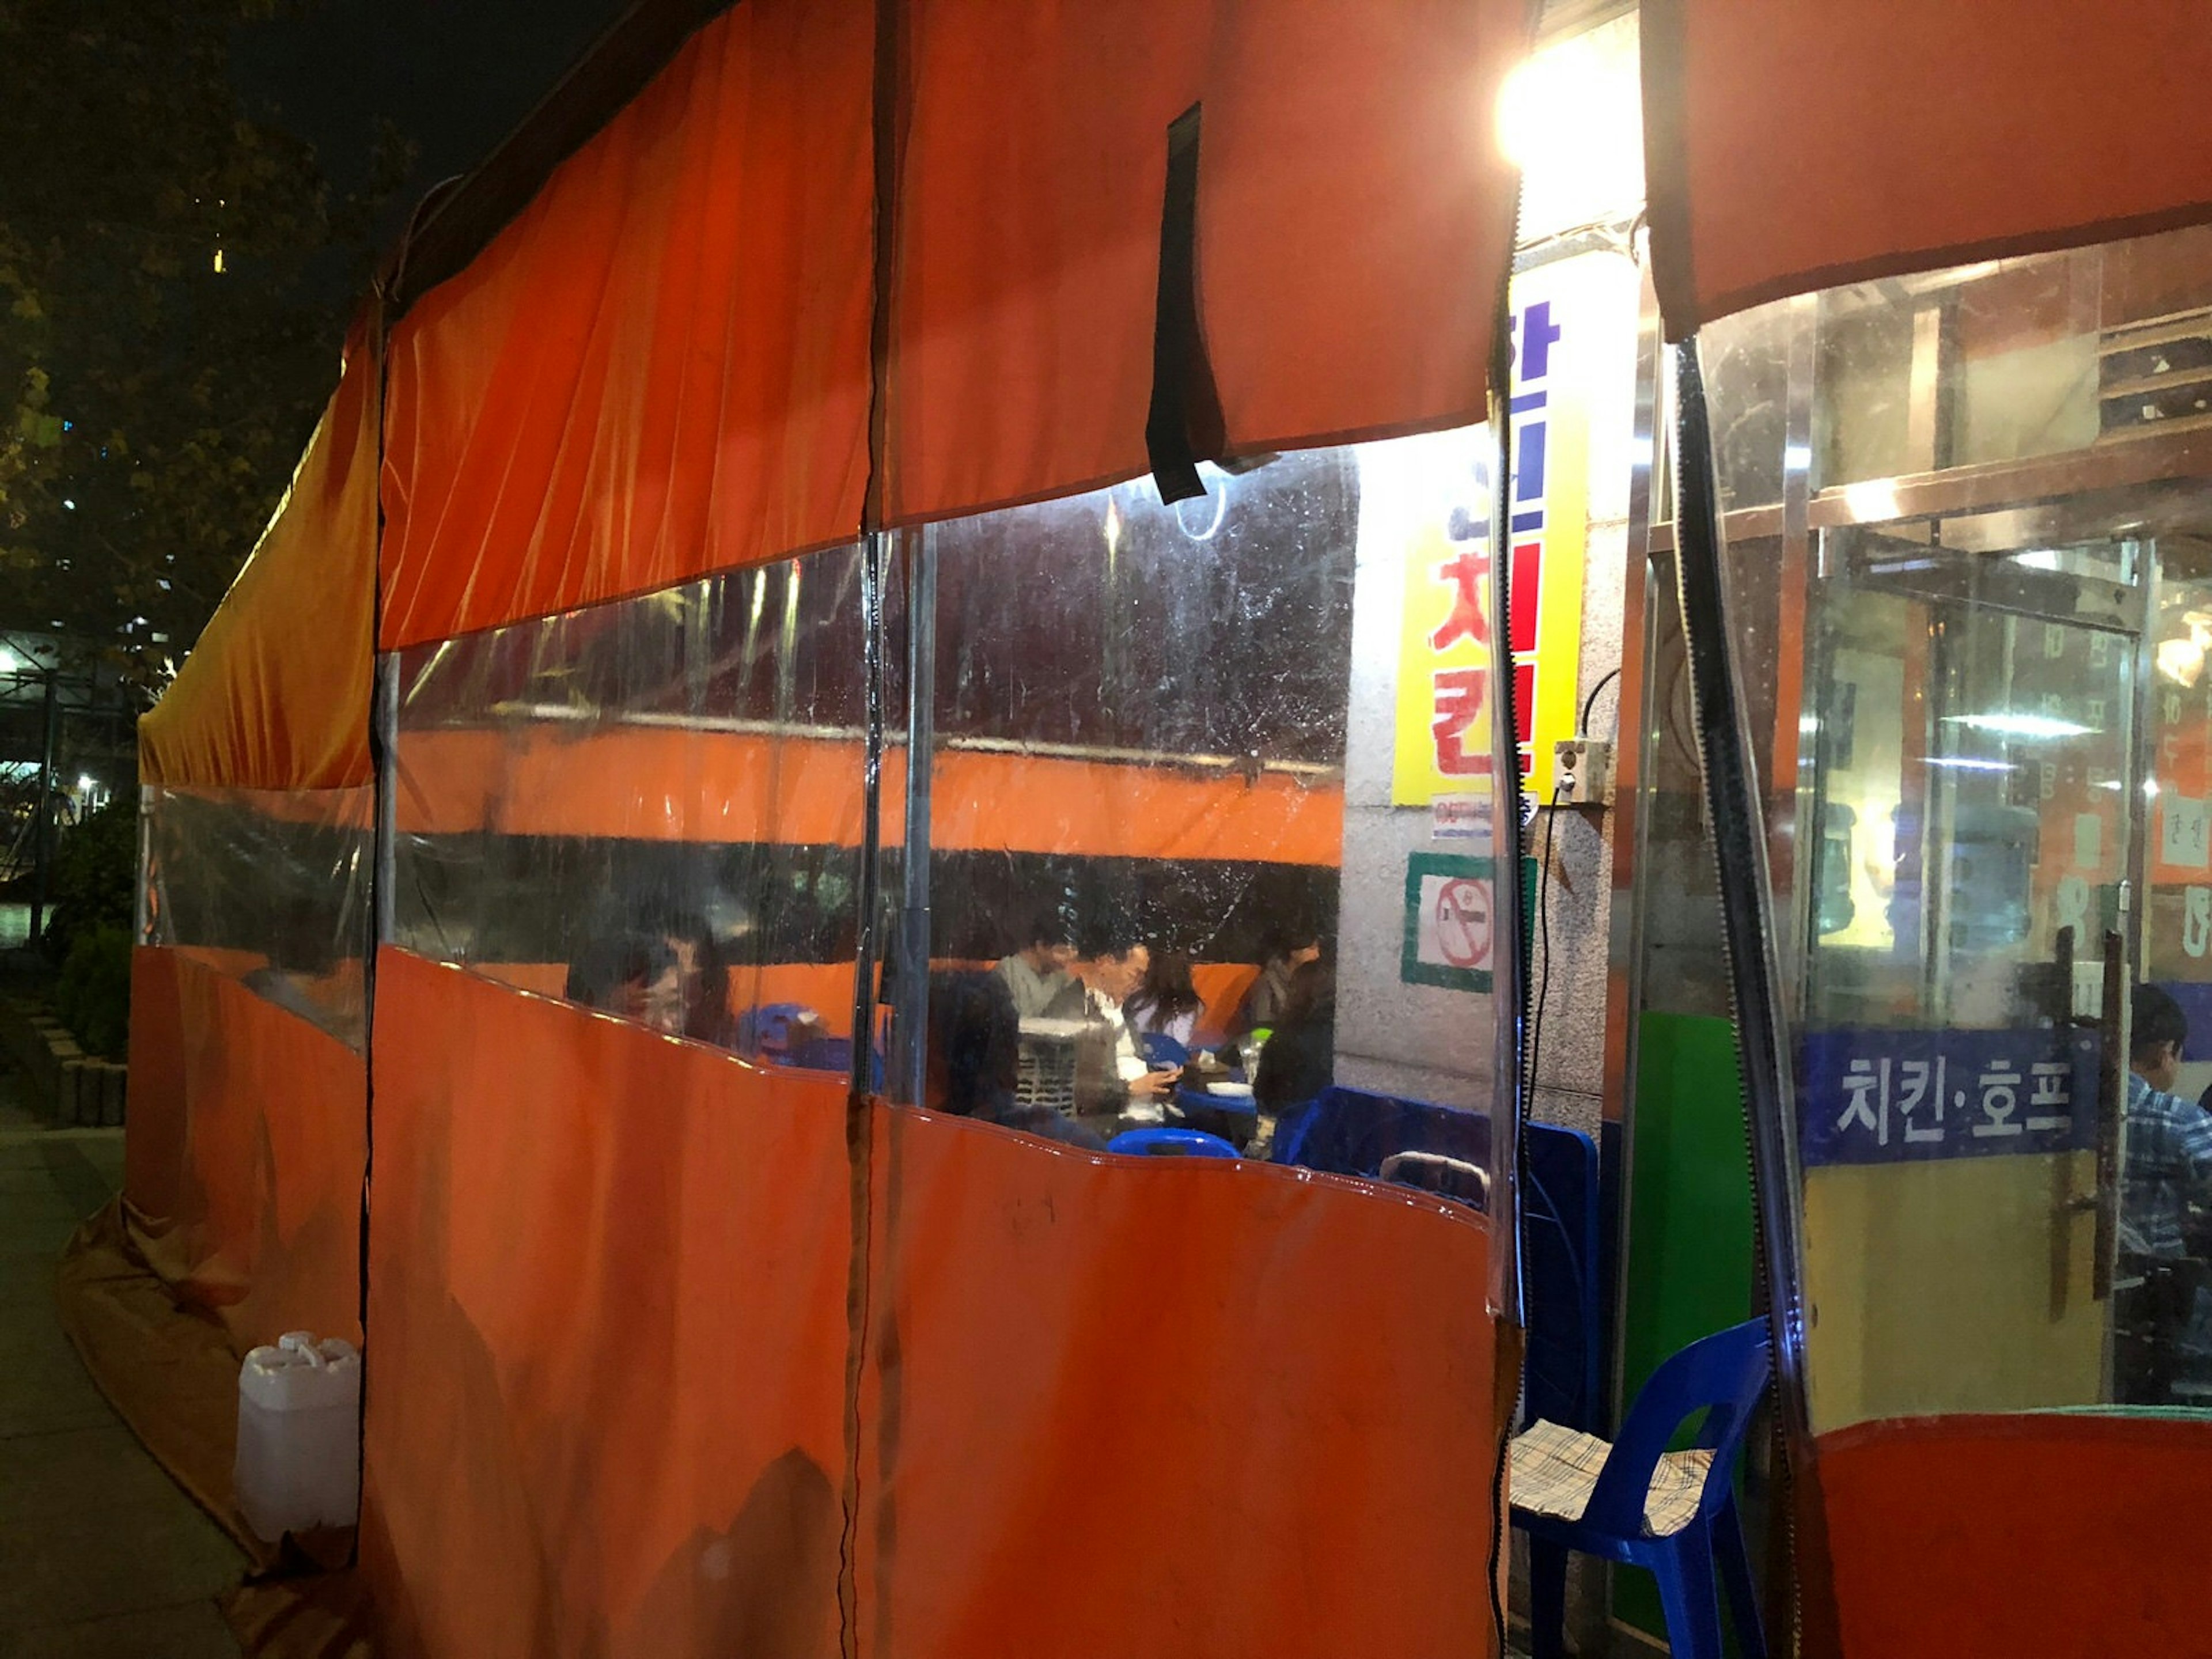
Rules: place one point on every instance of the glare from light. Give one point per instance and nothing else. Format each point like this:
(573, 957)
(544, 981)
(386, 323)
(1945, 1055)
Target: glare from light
(1872, 502)
(1112, 528)
(2150, 789)
(1570, 119)
(9, 662)
(2007, 725)
(86, 783)
(2037, 558)
(2182, 660)
(1521, 112)
(1808, 724)
(68, 504)
(1967, 763)
(218, 262)
(1797, 457)
(1220, 497)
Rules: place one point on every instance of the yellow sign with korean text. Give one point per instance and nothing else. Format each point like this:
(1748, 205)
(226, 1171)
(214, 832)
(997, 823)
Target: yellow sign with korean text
(1574, 337)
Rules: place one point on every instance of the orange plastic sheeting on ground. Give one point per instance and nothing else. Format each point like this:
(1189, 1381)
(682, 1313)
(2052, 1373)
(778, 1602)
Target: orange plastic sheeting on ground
(662, 785)
(276, 694)
(2064, 1536)
(1792, 148)
(1353, 210)
(1170, 1407)
(244, 1153)
(661, 368)
(607, 1285)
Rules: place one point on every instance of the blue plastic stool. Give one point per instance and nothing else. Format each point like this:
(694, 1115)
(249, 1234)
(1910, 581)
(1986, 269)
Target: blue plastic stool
(1722, 1375)
(1170, 1143)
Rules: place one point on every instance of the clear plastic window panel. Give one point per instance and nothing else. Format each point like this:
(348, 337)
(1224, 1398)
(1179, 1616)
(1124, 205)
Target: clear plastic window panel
(1167, 887)
(1977, 654)
(651, 807)
(269, 886)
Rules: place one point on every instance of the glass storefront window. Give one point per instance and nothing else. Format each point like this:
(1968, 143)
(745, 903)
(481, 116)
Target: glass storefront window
(1983, 770)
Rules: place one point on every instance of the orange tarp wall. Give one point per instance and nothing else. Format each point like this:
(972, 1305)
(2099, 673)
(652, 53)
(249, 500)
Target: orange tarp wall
(662, 367)
(275, 695)
(243, 1163)
(1793, 147)
(2062, 1535)
(608, 1283)
(1168, 1407)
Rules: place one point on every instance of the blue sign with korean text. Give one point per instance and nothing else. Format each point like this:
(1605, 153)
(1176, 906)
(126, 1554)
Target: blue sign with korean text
(1901, 1097)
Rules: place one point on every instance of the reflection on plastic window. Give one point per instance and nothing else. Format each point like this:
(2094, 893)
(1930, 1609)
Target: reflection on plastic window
(269, 886)
(651, 807)
(1141, 864)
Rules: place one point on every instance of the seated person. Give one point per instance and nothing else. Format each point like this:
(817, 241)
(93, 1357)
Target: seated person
(975, 1052)
(702, 971)
(1299, 1058)
(633, 976)
(1112, 972)
(2168, 1167)
(1166, 1000)
(1036, 976)
(2166, 1170)
(1289, 949)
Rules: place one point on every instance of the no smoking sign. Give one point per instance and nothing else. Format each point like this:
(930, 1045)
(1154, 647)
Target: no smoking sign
(1463, 923)
(1451, 901)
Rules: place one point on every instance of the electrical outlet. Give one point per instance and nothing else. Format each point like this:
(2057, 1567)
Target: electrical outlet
(1581, 772)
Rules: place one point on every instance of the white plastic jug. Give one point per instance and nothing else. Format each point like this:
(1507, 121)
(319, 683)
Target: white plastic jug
(299, 1436)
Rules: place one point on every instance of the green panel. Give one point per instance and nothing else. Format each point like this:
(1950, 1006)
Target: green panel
(1687, 1262)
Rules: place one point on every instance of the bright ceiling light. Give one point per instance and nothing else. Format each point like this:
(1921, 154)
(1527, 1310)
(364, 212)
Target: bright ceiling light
(1523, 103)
(1569, 117)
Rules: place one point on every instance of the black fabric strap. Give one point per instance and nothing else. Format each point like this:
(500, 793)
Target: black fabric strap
(1185, 425)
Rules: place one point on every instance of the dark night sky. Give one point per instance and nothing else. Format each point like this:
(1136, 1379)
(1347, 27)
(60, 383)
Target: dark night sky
(454, 76)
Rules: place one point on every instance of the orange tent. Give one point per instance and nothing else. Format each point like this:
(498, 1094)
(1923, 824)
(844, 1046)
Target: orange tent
(669, 1352)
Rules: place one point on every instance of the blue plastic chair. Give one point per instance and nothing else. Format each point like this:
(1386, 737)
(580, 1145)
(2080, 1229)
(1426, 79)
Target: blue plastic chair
(1722, 1375)
(1161, 1050)
(1170, 1143)
(766, 1029)
(832, 1055)
(1561, 1249)
(1350, 1132)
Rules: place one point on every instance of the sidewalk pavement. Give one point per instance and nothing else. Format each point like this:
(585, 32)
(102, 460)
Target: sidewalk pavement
(101, 1557)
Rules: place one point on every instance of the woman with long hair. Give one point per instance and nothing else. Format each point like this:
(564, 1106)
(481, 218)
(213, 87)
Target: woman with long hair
(1166, 1000)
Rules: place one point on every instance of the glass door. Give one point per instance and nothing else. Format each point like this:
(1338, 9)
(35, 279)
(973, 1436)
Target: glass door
(1967, 767)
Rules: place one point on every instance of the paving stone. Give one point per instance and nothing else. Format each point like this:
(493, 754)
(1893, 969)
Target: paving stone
(98, 1563)
(75, 1470)
(194, 1631)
